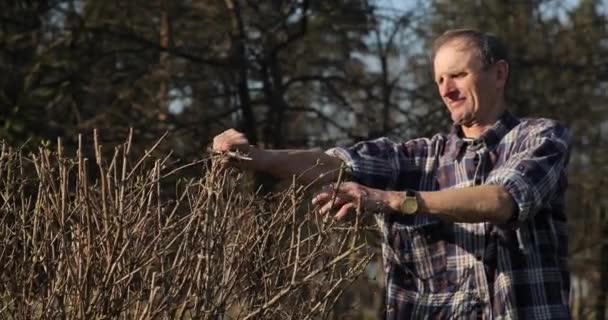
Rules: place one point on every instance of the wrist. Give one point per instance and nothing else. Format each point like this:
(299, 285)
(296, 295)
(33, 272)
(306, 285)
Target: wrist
(410, 205)
(395, 199)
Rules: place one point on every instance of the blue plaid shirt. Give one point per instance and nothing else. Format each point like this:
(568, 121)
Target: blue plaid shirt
(444, 270)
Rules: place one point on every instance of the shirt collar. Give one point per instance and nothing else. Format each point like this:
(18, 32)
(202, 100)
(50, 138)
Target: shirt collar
(489, 138)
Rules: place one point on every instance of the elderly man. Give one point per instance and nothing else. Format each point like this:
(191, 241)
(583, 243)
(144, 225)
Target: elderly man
(473, 221)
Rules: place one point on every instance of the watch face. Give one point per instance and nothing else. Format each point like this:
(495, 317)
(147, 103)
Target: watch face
(410, 206)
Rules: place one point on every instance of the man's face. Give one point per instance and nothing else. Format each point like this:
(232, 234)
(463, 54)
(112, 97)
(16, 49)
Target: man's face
(469, 92)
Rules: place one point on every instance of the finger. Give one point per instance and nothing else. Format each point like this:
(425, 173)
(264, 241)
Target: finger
(327, 191)
(228, 139)
(329, 205)
(233, 132)
(229, 134)
(218, 142)
(227, 144)
(344, 210)
(233, 144)
(322, 197)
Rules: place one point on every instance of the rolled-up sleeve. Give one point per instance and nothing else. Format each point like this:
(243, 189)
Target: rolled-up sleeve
(373, 163)
(535, 172)
(388, 165)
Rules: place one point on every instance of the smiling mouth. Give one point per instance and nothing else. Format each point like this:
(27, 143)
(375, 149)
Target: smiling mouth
(456, 102)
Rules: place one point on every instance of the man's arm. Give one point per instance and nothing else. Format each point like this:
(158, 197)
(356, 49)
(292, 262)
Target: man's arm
(309, 166)
(487, 203)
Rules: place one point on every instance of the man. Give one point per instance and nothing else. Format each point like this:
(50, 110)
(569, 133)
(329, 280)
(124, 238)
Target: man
(473, 221)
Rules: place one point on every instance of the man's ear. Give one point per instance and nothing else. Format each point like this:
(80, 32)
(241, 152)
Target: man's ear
(502, 73)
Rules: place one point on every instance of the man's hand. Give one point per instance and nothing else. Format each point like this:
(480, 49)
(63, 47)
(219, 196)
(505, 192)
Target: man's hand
(231, 140)
(347, 198)
(236, 146)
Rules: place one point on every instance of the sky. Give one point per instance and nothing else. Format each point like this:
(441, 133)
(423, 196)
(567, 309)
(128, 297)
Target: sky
(566, 4)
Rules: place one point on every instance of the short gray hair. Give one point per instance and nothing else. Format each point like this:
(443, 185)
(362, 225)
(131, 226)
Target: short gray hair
(490, 49)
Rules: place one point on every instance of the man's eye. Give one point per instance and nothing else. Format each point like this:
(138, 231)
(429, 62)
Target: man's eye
(460, 75)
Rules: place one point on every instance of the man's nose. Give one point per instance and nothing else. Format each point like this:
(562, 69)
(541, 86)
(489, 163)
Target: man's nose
(446, 87)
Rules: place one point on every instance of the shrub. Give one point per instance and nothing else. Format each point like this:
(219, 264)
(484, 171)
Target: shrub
(136, 239)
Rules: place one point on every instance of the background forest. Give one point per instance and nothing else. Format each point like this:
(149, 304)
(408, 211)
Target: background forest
(305, 73)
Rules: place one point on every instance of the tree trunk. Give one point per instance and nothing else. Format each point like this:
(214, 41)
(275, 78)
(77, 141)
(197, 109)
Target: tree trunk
(248, 123)
(603, 292)
(163, 101)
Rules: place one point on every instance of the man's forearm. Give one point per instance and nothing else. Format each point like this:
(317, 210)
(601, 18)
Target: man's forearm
(474, 204)
(309, 166)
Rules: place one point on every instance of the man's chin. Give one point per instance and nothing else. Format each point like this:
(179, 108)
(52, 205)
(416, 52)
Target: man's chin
(463, 120)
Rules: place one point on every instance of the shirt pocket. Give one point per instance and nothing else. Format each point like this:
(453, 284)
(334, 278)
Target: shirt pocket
(421, 252)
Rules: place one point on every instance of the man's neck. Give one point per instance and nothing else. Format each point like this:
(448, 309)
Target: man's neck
(477, 128)
(474, 131)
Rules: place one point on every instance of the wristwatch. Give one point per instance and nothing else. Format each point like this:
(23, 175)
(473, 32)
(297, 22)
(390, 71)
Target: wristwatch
(409, 205)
